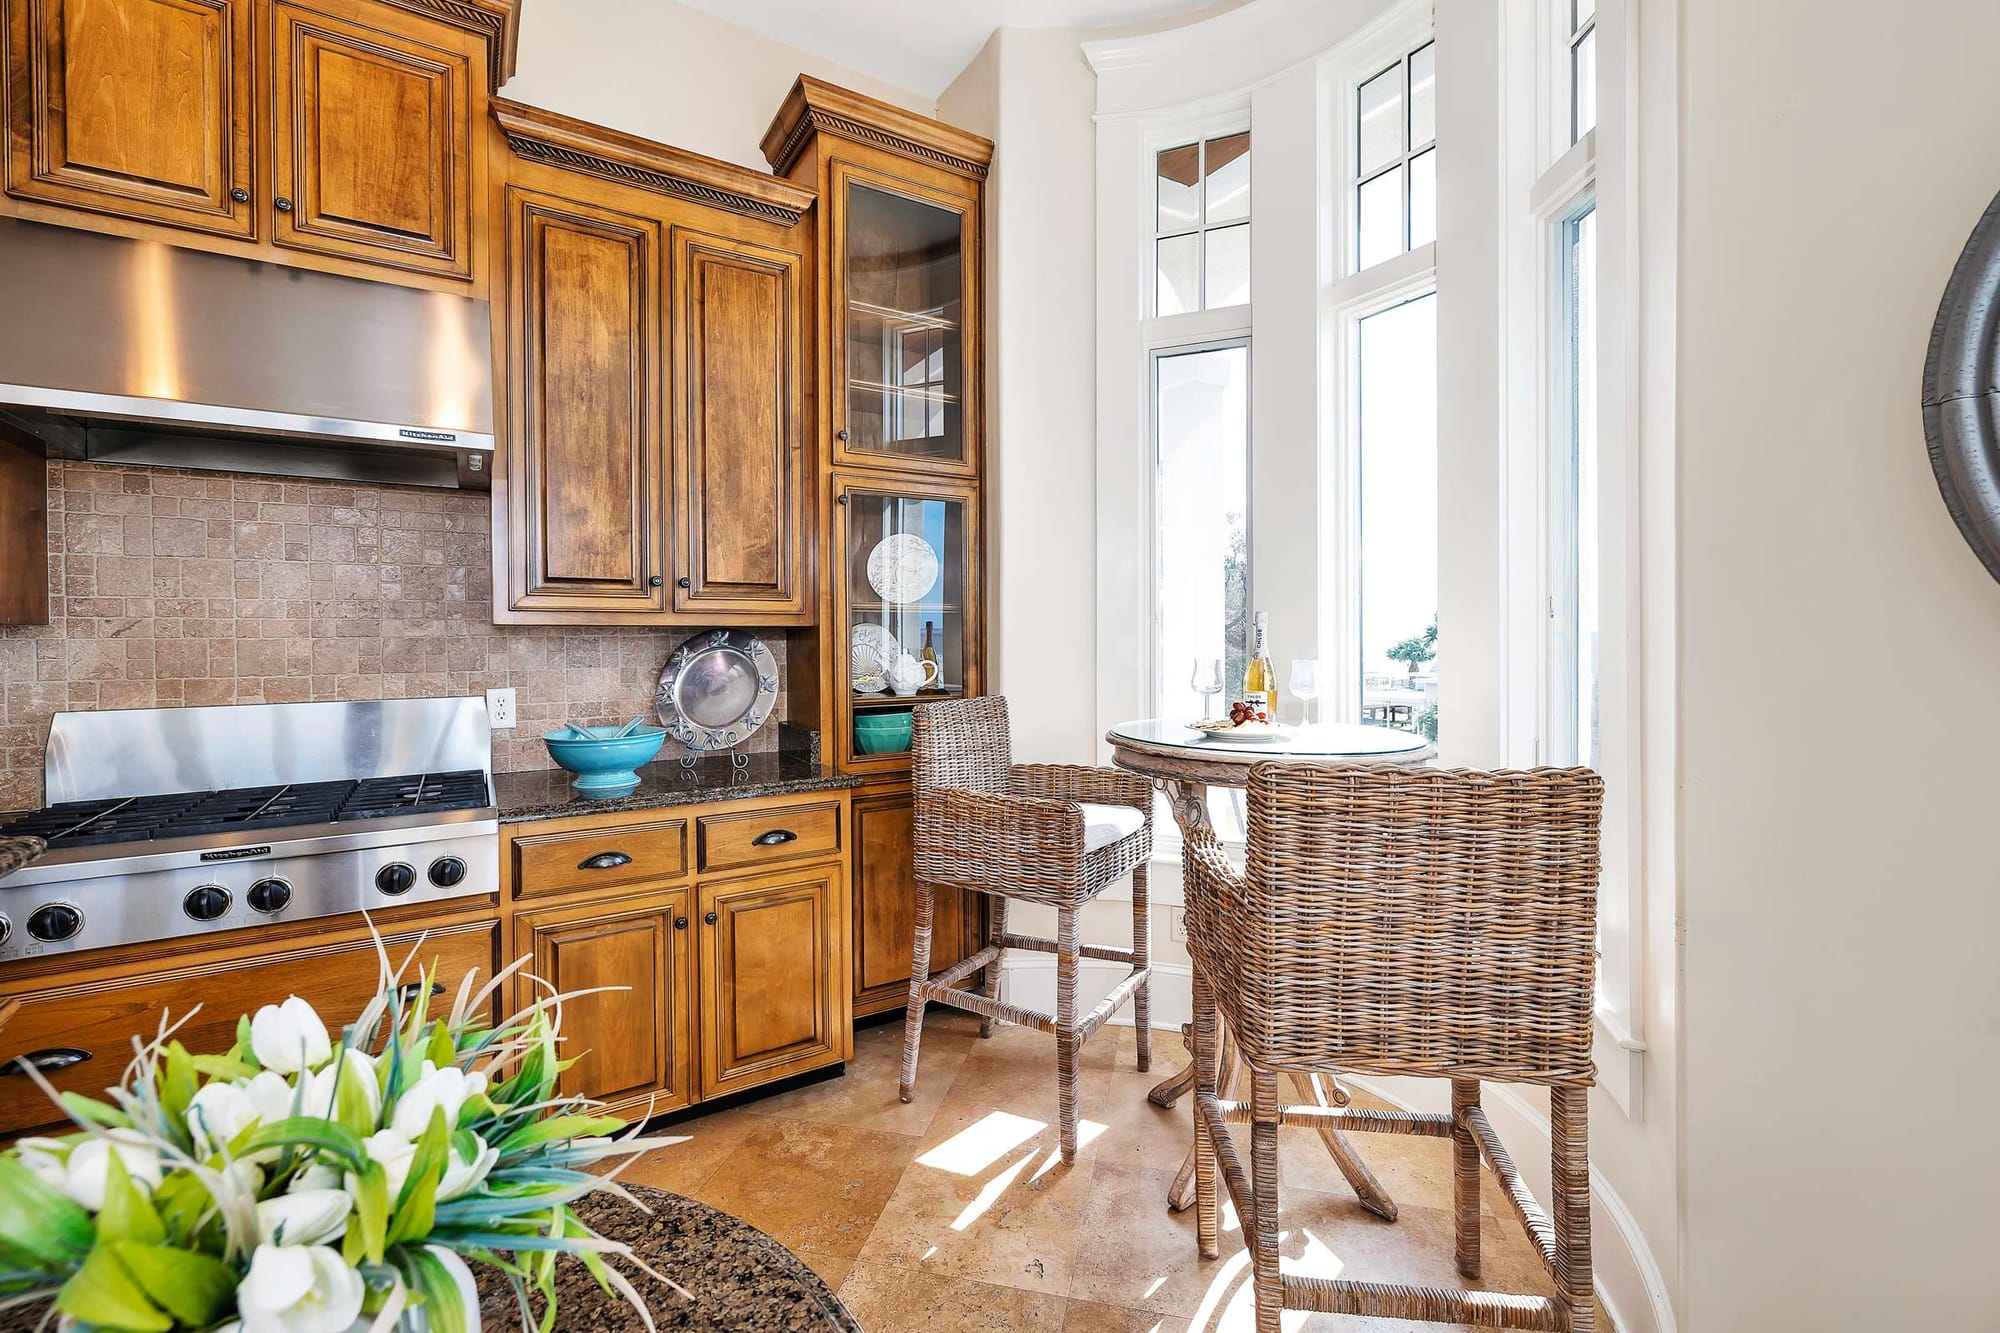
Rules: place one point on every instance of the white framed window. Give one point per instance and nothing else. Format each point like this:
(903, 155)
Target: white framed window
(1572, 728)
(1582, 43)
(1393, 185)
(1201, 221)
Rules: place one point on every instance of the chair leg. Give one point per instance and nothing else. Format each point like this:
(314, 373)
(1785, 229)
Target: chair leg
(1142, 957)
(1569, 1181)
(1205, 1056)
(920, 972)
(1262, 1230)
(1465, 1175)
(1069, 945)
(989, 978)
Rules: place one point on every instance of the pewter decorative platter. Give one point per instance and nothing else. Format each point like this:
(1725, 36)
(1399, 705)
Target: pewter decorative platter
(902, 568)
(717, 689)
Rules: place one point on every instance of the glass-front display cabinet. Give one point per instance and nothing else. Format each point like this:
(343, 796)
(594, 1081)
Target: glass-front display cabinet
(903, 303)
(904, 555)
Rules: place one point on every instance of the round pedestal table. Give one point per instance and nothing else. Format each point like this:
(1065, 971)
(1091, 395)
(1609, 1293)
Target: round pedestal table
(1184, 763)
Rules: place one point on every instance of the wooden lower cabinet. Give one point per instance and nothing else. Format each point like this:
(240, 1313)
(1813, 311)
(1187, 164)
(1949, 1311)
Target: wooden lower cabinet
(885, 911)
(631, 1040)
(734, 960)
(769, 982)
(80, 1034)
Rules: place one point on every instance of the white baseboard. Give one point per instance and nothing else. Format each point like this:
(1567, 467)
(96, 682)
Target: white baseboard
(1629, 1283)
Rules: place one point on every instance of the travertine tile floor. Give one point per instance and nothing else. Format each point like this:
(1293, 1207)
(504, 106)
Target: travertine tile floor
(955, 1211)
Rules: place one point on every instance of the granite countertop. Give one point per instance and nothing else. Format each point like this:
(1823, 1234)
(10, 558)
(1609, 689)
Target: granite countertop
(18, 852)
(546, 793)
(740, 1279)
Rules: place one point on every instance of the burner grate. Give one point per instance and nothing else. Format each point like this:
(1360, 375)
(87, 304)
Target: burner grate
(87, 823)
(378, 798)
(259, 807)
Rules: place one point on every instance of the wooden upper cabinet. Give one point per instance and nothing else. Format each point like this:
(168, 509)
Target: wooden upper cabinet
(374, 138)
(586, 520)
(140, 109)
(738, 428)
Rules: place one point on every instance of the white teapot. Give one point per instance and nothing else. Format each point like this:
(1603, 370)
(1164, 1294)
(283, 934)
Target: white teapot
(907, 675)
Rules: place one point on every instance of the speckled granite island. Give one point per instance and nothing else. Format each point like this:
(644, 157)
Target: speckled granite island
(547, 794)
(740, 1280)
(18, 852)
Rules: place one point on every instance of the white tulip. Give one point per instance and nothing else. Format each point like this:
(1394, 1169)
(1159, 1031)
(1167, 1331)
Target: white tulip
(299, 1289)
(217, 1114)
(463, 1175)
(318, 1176)
(445, 1088)
(271, 1095)
(289, 1037)
(303, 1217)
(86, 1173)
(395, 1152)
(319, 1087)
(45, 1158)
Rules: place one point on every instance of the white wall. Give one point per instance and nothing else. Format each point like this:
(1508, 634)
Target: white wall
(1840, 704)
(670, 73)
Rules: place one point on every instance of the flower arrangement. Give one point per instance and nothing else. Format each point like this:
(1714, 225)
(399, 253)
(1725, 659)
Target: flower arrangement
(303, 1183)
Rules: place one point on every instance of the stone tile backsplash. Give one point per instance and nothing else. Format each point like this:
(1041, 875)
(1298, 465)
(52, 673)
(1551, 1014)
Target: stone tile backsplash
(180, 588)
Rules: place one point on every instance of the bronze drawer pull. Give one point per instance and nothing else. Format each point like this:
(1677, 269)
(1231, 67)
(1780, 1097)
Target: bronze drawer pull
(45, 1061)
(604, 861)
(774, 837)
(408, 992)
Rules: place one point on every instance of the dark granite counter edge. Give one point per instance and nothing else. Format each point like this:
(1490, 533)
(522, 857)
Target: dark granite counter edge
(523, 797)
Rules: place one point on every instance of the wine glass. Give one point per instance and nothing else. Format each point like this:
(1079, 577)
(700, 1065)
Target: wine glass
(1207, 682)
(1305, 684)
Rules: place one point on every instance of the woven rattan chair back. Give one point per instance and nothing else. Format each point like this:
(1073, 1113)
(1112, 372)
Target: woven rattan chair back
(1412, 921)
(961, 744)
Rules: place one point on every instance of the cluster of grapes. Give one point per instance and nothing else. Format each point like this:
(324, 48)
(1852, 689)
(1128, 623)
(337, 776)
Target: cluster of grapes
(1247, 710)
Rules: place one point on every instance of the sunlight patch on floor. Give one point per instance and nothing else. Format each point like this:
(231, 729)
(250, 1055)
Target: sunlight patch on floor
(988, 1193)
(982, 1143)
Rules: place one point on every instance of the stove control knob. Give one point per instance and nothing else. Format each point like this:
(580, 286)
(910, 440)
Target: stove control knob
(210, 902)
(395, 880)
(447, 871)
(52, 923)
(270, 895)
(6, 931)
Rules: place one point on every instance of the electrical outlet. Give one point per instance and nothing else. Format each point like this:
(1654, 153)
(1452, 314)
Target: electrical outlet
(500, 709)
(1177, 925)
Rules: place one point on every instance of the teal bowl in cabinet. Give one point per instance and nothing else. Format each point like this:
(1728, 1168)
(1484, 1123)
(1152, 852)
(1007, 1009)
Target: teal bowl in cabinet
(882, 733)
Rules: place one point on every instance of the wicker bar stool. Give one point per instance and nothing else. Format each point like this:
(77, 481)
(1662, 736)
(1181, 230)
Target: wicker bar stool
(1053, 834)
(1430, 922)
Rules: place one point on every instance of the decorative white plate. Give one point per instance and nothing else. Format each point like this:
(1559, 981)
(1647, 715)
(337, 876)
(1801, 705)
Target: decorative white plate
(1222, 729)
(871, 650)
(717, 688)
(902, 568)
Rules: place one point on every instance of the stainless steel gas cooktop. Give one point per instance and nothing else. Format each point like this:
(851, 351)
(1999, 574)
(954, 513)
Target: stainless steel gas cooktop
(172, 822)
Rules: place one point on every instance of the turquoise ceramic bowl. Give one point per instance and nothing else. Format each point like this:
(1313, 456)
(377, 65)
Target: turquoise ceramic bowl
(882, 733)
(604, 765)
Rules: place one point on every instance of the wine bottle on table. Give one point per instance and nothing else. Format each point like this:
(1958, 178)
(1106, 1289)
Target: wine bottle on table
(930, 654)
(1260, 678)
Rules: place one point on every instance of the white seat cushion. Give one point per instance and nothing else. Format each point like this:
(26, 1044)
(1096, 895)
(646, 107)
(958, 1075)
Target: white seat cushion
(1106, 824)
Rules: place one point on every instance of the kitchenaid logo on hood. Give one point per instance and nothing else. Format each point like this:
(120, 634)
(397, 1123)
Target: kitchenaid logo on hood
(441, 436)
(236, 854)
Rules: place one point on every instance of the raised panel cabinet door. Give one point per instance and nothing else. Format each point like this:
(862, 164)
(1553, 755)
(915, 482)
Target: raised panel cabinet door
(885, 913)
(738, 432)
(767, 958)
(630, 1039)
(136, 108)
(373, 139)
(585, 455)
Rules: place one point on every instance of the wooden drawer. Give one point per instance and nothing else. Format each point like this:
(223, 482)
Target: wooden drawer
(98, 1020)
(549, 863)
(762, 837)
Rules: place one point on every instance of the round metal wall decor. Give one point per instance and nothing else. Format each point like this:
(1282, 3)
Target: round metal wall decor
(1962, 392)
(717, 688)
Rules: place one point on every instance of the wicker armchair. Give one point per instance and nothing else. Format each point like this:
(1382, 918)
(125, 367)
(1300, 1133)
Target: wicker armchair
(1428, 922)
(1052, 834)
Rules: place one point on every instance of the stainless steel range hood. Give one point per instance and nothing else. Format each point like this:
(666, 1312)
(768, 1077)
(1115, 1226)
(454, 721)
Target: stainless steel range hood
(129, 351)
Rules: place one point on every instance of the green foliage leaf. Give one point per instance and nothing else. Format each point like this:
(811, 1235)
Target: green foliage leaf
(560, 1127)
(444, 1304)
(178, 1081)
(371, 1210)
(39, 1220)
(96, 1112)
(243, 1050)
(195, 1288)
(182, 1201)
(443, 1052)
(127, 1213)
(416, 1210)
(103, 1294)
(351, 1102)
(323, 1136)
(224, 1068)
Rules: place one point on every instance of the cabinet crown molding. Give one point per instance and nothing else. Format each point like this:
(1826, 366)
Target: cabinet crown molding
(576, 145)
(498, 21)
(817, 107)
